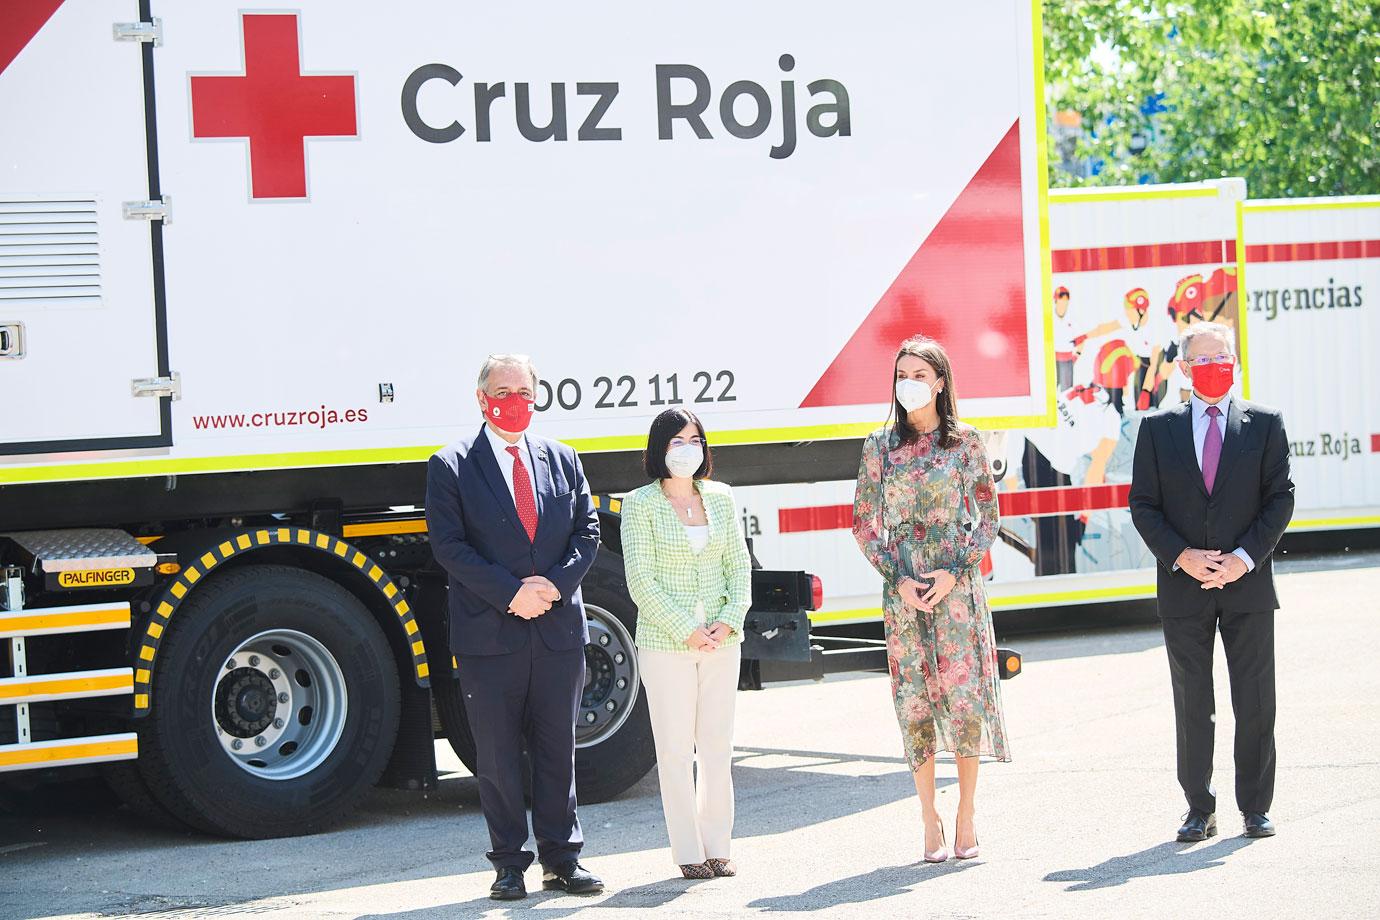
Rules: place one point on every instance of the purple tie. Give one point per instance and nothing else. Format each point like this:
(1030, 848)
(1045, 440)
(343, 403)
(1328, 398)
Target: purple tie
(1212, 448)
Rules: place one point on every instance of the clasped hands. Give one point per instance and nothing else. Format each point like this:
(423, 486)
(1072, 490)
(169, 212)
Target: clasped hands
(1212, 567)
(708, 638)
(534, 598)
(915, 595)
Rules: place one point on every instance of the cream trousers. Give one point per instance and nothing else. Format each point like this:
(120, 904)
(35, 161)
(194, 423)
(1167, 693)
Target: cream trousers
(690, 696)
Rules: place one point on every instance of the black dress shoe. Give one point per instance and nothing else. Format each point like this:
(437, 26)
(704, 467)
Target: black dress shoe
(572, 878)
(509, 885)
(1198, 826)
(1258, 824)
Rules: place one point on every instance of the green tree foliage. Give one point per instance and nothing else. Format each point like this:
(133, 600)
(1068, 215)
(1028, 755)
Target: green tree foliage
(1285, 94)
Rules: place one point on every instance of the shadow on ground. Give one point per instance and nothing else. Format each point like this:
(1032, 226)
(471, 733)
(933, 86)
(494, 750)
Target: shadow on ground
(553, 904)
(1161, 860)
(870, 886)
(401, 836)
(880, 883)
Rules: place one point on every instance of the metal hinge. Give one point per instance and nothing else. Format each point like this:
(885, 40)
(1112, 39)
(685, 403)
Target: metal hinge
(157, 209)
(140, 32)
(170, 386)
(12, 340)
(11, 588)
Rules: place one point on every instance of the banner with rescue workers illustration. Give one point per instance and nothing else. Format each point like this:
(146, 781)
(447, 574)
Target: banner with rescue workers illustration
(1132, 270)
(1130, 275)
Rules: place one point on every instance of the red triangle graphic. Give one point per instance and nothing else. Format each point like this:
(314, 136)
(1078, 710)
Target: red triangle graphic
(965, 286)
(20, 21)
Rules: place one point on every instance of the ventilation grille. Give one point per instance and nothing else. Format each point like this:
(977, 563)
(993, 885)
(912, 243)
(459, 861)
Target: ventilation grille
(49, 253)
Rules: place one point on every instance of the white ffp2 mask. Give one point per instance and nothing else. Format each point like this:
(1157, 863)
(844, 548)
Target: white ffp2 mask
(913, 394)
(684, 460)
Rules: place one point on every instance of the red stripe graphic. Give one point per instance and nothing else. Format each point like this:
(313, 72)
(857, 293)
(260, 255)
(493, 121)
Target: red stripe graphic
(1063, 500)
(804, 520)
(20, 21)
(968, 275)
(1021, 503)
(1109, 258)
(1375, 443)
(1313, 252)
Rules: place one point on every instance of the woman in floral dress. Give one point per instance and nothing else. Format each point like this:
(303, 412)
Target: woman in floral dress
(925, 513)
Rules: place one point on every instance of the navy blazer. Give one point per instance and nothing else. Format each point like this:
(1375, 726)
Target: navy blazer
(478, 539)
(1250, 506)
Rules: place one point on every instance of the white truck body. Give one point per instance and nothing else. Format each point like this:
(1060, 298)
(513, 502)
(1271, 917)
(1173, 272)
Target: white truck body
(353, 211)
(1313, 280)
(251, 261)
(1307, 342)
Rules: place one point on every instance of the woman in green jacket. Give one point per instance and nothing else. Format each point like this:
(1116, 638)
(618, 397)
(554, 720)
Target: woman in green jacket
(688, 571)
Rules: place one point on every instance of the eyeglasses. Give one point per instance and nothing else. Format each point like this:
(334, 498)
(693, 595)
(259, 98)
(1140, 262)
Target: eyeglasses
(1203, 360)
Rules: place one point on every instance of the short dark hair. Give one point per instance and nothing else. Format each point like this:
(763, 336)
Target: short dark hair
(665, 427)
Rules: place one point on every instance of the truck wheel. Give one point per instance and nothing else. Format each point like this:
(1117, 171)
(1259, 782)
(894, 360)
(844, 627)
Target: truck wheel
(275, 707)
(450, 708)
(613, 734)
(127, 782)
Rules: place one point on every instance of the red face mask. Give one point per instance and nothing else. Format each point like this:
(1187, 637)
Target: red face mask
(1213, 380)
(512, 413)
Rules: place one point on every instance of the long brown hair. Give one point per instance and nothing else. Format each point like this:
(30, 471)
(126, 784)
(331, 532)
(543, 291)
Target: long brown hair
(933, 354)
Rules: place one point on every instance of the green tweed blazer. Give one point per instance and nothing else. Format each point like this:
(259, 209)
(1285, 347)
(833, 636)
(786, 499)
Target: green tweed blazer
(666, 577)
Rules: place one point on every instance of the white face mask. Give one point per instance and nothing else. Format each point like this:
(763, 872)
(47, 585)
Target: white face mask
(684, 460)
(914, 394)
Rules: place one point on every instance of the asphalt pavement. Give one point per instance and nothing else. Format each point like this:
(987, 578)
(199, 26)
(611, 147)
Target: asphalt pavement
(1081, 823)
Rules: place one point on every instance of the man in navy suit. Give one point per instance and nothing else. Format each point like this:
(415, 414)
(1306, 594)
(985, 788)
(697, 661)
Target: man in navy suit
(512, 523)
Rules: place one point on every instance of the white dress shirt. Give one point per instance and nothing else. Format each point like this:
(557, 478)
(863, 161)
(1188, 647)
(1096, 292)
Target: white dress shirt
(505, 461)
(1200, 422)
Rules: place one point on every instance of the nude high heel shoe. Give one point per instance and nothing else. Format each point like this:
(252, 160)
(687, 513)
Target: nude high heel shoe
(968, 853)
(941, 854)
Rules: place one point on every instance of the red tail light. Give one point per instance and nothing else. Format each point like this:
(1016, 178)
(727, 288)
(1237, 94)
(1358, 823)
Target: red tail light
(816, 593)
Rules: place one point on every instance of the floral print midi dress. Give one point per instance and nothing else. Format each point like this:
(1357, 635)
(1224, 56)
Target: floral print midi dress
(918, 508)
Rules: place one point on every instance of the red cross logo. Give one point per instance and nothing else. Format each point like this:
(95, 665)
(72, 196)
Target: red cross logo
(274, 105)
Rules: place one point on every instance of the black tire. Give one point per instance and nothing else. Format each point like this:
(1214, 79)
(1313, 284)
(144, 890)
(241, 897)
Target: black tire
(613, 765)
(183, 763)
(125, 780)
(617, 762)
(450, 708)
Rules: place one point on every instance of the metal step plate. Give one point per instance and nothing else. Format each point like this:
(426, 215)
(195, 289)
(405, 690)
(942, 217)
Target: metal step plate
(83, 550)
(86, 558)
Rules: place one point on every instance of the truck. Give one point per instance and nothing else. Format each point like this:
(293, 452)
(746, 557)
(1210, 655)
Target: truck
(250, 262)
(1132, 268)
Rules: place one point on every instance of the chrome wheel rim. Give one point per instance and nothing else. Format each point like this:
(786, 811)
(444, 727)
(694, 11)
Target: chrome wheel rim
(279, 704)
(611, 679)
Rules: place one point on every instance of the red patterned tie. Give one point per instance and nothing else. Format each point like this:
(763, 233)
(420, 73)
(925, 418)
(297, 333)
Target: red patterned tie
(522, 494)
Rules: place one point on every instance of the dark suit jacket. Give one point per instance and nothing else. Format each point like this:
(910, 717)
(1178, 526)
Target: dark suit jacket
(477, 537)
(1251, 503)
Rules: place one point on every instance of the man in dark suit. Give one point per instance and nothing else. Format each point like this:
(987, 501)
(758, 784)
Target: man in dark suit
(1211, 496)
(512, 523)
